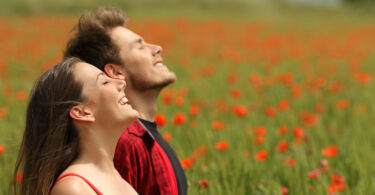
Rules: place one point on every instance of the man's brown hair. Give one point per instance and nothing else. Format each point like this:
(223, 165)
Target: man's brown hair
(91, 42)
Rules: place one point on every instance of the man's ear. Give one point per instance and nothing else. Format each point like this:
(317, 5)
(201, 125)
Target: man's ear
(79, 113)
(114, 71)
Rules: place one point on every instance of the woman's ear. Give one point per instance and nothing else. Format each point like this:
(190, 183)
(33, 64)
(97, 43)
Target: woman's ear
(114, 71)
(79, 113)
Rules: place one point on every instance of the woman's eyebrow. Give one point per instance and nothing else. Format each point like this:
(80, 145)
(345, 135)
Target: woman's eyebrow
(100, 74)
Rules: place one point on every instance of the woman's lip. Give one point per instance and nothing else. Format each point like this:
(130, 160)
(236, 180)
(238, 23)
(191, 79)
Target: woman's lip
(159, 61)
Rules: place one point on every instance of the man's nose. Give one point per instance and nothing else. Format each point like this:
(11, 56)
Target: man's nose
(156, 49)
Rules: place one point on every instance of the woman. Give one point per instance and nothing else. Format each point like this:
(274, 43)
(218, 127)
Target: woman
(74, 118)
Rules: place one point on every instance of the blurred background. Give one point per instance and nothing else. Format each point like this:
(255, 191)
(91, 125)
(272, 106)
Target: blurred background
(272, 97)
(27, 7)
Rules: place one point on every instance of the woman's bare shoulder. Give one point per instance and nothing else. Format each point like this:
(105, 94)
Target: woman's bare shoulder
(71, 185)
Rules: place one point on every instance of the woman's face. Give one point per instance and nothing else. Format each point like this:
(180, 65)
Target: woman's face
(106, 97)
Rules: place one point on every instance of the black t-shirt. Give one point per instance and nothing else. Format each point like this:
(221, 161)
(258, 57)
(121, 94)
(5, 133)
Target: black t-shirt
(178, 171)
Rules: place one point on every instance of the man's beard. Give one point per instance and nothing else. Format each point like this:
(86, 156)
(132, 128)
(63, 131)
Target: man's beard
(142, 85)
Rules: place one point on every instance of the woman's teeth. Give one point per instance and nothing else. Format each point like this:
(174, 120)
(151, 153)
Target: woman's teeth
(159, 64)
(123, 101)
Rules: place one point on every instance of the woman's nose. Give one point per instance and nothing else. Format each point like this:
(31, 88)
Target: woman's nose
(120, 83)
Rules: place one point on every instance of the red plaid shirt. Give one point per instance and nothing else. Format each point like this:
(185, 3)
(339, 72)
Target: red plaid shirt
(143, 163)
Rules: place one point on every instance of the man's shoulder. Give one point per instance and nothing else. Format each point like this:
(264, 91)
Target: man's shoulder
(132, 145)
(135, 138)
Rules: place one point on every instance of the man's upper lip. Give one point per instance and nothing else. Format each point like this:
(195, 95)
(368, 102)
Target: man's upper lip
(158, 61)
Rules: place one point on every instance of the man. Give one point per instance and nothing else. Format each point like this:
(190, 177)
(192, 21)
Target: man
(143, 157)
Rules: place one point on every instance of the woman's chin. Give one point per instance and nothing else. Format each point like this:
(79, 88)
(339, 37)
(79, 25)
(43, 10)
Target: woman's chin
(131, 117)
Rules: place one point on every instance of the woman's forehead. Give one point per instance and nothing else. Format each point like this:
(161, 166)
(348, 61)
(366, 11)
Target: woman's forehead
(86, 70)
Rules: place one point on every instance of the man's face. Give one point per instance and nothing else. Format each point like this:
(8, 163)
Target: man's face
(142, 62)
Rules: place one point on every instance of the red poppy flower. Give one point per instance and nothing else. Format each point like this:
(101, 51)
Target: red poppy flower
(261, 155)
(179, 119)
(194, 110)
(203, 184)
(166, 97)
(363, 78)
(323, 163)
(284, 190)
(309, 119)
(338, 184)
(259, 140)
(217, 125)
(2, 149)
(179, 101)
(290, 162)
(160, 119)
(342, 104)
(19, 177)
(296, 91)
(330, 151)
(167, 136)
(260, 131)
(298, 132)
(283, 146)
(255, 80)
(236, 93)
(240, 111)
(270, 111)
(283, 105)
(3, 112)
(200, 151)
(286, 78)
(314, 174)
(221, 146)
(186, 163)
(283, 130)
(3, 66)
(21, 95)
(337, 179)
(184, 91)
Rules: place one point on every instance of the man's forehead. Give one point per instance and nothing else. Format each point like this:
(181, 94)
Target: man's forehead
(124, 33)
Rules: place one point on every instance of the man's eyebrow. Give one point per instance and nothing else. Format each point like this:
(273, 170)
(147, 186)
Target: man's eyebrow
(100, 74)
(138, 40)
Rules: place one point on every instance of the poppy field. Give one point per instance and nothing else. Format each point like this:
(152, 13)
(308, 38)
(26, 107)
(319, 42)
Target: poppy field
(260, 106)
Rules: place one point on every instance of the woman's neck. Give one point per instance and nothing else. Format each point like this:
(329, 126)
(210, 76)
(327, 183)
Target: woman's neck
(97, 147)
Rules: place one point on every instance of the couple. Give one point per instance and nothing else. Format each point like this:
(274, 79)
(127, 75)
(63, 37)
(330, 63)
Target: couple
(78, 111)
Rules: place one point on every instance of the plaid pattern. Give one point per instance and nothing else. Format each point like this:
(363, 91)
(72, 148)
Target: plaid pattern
(140, 163)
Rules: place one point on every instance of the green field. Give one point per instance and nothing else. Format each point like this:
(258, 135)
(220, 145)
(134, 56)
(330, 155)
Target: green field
(249, 70)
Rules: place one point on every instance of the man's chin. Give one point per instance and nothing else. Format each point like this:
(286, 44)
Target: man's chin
(155, 86)
(165, 83)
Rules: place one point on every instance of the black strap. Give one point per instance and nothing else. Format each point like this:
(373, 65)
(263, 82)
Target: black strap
(178, 170)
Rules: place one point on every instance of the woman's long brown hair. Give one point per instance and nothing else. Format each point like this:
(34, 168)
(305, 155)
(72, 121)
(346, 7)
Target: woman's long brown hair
(50, 142)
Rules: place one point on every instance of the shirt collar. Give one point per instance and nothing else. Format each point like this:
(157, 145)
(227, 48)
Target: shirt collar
(137, 128)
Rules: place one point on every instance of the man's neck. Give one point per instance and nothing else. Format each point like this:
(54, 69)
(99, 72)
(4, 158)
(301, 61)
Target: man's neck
(145, 102)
